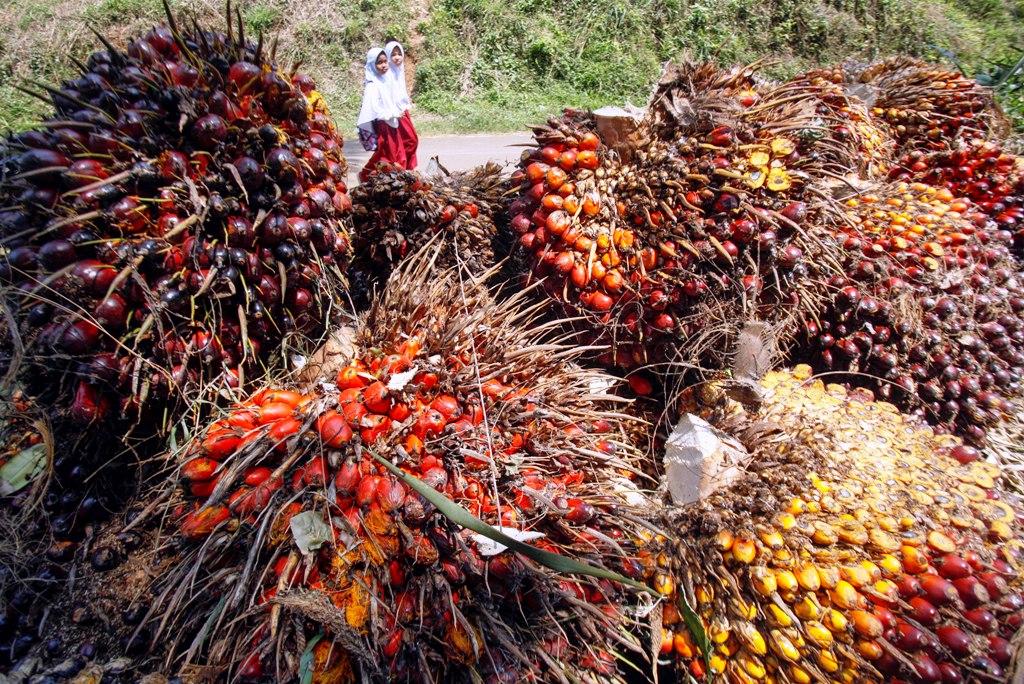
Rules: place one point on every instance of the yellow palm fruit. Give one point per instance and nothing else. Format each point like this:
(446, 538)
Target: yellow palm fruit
(779, 616)
(786, 581)
(730, 647)
(880, 505)
(752, 638)
(807, 608)
(829, 576)
(874, 572)
(887, 589)
(890, 565)
(717, 663)
(781, 645)
(835, 621)
(763, 580)
(856, 575)
(818, 634)
(824, 534)
(786, 521)
(807, 577)
(744, 549)
(799, 675)
(664, 585)
(719, 632)
(782, 558)
(752, 665)
(704, 593)
(846, 596)
(771, 538)
(743, 609)
(827, 661)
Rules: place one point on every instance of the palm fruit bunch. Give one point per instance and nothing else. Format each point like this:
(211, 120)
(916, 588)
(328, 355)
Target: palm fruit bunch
(925, 105)
(292, 522)
(397, 212)
(706, 217)
(857, 546)
(928, 312)
(979, 170)
(170, 225)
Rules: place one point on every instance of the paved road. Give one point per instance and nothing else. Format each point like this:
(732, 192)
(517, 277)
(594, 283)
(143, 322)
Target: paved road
(455, 152)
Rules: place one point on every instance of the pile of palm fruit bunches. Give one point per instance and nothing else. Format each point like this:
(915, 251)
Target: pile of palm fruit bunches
(727, 389)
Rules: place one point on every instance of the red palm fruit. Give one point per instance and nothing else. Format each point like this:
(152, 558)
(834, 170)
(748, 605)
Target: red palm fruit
(347, 479)
(198, 524)
(587, 159)
(938, 591)
(283, 429)
(555, 177)
(952, 567)
(923, 611)
(257, 476)
(536, 171)
(972, 592)
(220, 444)
(550, 154)
(374, 427)
(199, 469)
(90, 404)
(955, 639)
(430, 422)
(333, 429)
(981, 620)
(589, 141)
(376, 399)
(273, 411)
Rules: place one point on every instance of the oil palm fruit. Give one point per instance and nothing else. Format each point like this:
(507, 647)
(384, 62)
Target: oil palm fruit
(396, 212)
(169, 224)
(662, 250)
(858, 545)
(471, 398)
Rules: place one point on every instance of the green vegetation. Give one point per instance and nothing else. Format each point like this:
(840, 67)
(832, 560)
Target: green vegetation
(501, 64)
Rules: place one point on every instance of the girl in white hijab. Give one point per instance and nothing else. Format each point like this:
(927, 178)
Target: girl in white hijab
(400, 96)
(378, 121)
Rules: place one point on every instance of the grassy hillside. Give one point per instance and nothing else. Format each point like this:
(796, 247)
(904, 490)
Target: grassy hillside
(499, 64)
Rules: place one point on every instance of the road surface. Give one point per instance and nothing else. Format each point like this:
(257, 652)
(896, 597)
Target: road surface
(455, 152)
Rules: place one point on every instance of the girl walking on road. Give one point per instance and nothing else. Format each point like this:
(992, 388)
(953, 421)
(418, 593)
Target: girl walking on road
(379, 116)
(400, 96)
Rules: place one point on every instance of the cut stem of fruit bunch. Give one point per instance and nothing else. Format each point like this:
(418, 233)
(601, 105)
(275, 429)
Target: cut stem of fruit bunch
(397, 212)
(171, 224)
(479, 402)
(859, 545)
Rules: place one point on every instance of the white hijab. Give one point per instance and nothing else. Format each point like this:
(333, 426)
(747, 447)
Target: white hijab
(396, 78)
(377, 100)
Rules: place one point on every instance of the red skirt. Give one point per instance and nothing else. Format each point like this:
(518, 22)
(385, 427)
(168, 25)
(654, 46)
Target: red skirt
(390, 150)
(410, 139)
